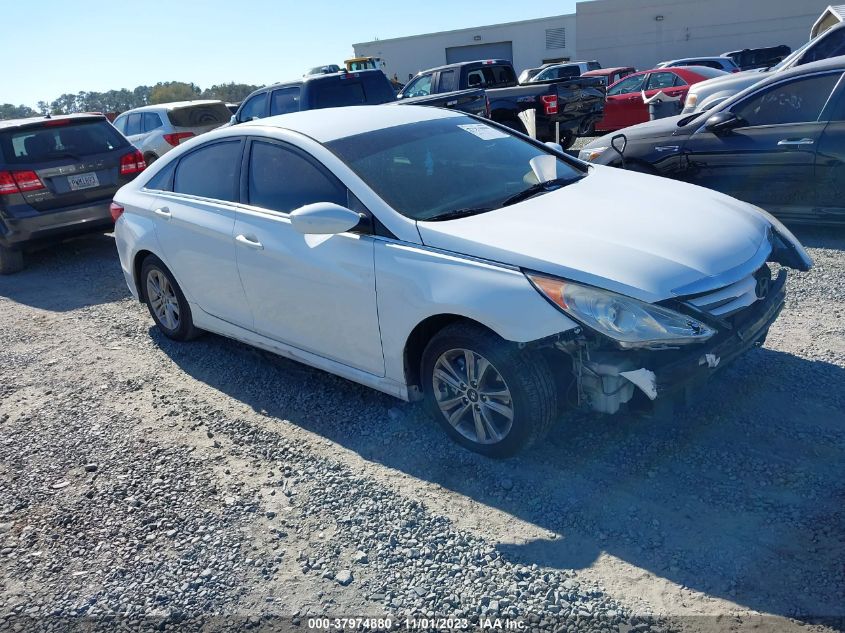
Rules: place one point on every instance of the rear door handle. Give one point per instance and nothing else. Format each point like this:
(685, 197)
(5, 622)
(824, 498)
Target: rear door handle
(163, 212)
(243, 239)
(793, 142)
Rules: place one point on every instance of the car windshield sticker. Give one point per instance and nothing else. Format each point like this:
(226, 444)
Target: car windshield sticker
(484, 132)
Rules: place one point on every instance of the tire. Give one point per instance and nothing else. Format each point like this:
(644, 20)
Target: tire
(173, 317)
(567, 140)
(150, 159)
(11, 260)
(531, 399)
(514, 124)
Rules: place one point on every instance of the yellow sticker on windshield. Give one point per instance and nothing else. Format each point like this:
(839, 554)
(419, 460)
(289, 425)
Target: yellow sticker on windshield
(484, 132)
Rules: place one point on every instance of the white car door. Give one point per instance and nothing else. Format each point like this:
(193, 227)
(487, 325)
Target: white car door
(194, 213)
(316, 293)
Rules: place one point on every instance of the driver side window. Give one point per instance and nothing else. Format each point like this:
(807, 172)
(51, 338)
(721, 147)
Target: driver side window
(420, 87)
(254, 108)
(629, 84)
(800, 101)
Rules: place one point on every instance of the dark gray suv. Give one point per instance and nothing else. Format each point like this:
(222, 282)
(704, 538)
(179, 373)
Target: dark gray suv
(57, 179)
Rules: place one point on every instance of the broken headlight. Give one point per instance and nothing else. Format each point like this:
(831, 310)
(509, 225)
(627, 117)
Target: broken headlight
(629, 322)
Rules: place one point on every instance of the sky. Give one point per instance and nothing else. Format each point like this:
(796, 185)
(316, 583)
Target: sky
(73, 46)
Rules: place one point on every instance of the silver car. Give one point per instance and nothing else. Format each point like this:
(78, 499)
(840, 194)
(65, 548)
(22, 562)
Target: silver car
(156, 129)
(708, 94)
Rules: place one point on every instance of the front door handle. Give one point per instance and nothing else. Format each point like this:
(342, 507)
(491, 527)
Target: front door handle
(163, 212)
(243, 239)
(794, 142)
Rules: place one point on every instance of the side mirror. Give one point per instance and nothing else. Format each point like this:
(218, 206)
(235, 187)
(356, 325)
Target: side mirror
(233, 120)
(555, 146)
(722, 122)
(323, 218)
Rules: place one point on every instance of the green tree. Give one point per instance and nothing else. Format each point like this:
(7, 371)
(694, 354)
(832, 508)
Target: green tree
(164, 92)
(229, 92)
(10, 111)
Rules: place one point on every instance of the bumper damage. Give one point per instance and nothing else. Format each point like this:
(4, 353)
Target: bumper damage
(606, 380)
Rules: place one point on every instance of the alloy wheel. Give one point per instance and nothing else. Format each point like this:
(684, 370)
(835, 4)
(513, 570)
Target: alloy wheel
(473, 396)
(163, 299)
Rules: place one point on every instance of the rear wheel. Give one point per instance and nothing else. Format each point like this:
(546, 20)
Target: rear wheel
(11, 260)
(488, 395)
(514, 124)
(165, 301)
(150, 158)
(567, 140)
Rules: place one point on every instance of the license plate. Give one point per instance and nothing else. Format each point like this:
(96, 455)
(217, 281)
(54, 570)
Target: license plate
(83, 181)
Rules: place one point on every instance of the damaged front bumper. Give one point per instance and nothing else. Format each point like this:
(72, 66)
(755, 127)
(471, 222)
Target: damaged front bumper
(748, 329)
(606, 380)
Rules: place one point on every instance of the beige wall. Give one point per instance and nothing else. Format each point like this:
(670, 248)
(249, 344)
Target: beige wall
(413, 54)
(625, 32)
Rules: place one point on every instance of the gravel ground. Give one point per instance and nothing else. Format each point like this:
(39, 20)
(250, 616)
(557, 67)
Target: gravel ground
(150, 484)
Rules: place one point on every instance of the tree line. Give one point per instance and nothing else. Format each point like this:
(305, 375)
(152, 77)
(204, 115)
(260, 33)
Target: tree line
(124, 99)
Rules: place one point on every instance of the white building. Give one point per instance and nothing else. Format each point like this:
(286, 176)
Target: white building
(636, 33)
(526, 43)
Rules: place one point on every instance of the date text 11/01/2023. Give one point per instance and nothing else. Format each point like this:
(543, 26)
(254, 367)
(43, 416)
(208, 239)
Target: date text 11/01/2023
(421, 624)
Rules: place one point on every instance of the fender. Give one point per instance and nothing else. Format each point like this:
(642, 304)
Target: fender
(422, 282)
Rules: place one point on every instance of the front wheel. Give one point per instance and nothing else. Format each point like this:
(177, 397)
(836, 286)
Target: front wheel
(165, 301)
(488, 395)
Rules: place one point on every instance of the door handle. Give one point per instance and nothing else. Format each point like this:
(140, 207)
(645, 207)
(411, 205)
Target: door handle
(793, 142)
(243, 239)
(163, 212)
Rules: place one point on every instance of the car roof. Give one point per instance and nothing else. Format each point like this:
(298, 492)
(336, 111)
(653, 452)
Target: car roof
(483, 62)
(606, 71)
(690, 59)
(171, 105)
(329, 124)
(10, 123)
(315, 77)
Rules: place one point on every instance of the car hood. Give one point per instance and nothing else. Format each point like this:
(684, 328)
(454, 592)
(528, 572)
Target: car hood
(733, 81)
(618, 230)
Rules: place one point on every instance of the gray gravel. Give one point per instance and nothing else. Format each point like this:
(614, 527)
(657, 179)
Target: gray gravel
(209, 486)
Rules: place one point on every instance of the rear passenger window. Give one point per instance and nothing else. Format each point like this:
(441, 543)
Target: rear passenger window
(448, 81)
(120, 124)
(284, 100)
(152, 121)
(133, 124)
(283, 180)
(163, 180)
(210, 171)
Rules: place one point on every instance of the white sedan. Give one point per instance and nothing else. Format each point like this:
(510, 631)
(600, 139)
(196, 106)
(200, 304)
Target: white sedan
(436, 256)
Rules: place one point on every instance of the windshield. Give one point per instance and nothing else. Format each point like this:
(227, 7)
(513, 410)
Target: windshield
(431, 168)
(787, 61)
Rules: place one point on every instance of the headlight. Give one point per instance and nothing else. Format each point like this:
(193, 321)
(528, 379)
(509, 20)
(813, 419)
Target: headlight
(629, 322)
(591, 154)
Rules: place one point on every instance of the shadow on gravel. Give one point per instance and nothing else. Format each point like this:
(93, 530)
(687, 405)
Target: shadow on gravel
(831, 237)
(741, 496)
(69, 275)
